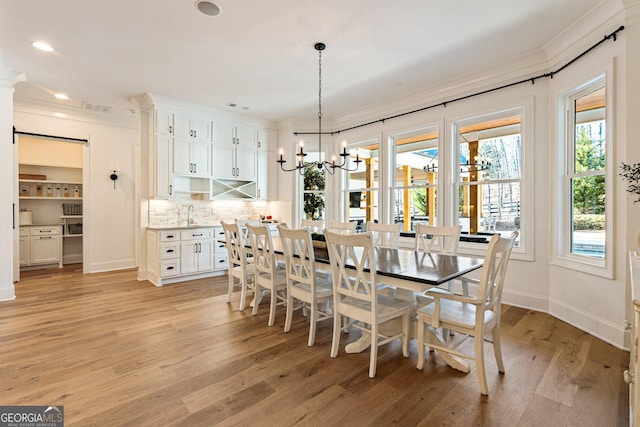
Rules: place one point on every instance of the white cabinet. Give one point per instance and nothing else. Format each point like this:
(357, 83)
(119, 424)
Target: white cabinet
(234, 152)
(160, 176)
(164, 122)
(192, 157)
(40, 245)
(220, 254)
(25, 256)
(196, 249)
(191, 126)
(184, 254)
(630, 375)
(266, 182)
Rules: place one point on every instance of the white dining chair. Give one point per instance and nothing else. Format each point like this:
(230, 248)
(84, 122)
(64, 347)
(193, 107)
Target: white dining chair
(355, 294)
(440, 240)
(305, 284)
(385, 235)
(471, 316)
(239, 266)
(343, 227)
(242, 224)
(267, 275)
(315, 226)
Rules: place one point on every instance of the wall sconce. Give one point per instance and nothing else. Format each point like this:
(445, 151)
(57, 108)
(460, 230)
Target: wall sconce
(114, 175)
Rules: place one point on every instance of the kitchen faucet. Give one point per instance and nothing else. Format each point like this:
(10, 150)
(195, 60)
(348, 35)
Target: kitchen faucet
(189, 209)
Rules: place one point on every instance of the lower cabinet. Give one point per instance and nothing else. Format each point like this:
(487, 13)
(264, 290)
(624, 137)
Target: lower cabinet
(182, 254)
(40, 245)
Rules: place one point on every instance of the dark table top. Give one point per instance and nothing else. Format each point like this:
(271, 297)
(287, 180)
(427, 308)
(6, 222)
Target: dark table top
(408, 265)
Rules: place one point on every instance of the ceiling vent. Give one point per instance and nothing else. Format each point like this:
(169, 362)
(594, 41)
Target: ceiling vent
(96, 108)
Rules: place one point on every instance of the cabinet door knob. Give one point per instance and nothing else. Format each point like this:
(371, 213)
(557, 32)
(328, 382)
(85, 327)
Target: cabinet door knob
(628, 376)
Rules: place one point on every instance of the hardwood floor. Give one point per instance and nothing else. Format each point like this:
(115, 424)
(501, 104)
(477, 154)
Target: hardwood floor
(115, 351)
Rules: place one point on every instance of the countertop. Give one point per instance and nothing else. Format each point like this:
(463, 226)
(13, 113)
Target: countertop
(46, 224)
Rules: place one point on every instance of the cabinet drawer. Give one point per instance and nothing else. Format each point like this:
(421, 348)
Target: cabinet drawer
(45, 231)
(218, 233)
(220, 247)
(169, 236)
(170, 250)
(170, 268)
(220, 261)
(197, 234)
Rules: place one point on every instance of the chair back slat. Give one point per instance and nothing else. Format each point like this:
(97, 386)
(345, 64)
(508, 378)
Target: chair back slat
(343, 227)
(234, 241)
(262, 249)
(384, 235)
(299, 255)
(357, 250)
(494, 270)
(441, 240)
(315, 226)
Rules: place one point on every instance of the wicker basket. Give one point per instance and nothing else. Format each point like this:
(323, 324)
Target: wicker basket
(75, 228)
(72, 209)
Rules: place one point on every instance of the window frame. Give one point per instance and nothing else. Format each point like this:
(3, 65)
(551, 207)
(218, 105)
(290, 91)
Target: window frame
(565, 149)
(524, 107)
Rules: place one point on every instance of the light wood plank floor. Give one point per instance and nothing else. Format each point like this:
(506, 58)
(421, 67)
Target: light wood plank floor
(115, 351)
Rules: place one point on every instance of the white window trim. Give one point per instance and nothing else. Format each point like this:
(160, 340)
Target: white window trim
(525, 107)
(561, 254)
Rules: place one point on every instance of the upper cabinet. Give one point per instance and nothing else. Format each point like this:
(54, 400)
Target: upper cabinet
(234, 152)
(192, 152)
(191, 126)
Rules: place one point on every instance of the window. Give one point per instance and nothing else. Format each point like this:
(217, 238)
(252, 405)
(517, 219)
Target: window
(415, 181)
(583, 196)
(362, 195)
(489, 170)
(313, 191)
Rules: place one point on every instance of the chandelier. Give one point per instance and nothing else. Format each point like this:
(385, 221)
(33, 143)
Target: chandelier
(322, 165)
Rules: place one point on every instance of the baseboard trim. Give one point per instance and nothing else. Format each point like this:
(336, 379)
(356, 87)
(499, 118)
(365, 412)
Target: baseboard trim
(99, 267)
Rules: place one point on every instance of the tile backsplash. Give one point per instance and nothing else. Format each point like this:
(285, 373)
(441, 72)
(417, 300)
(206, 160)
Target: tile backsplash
(181, 213)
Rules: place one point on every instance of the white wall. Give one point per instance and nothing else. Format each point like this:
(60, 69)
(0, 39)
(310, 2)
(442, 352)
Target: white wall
(110, 215)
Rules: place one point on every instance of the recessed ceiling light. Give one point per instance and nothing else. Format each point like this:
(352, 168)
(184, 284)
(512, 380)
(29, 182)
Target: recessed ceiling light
(43, 46)
(208, 8)
(61, 96)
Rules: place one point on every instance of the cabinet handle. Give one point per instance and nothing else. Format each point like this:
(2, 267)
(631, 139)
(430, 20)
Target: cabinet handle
(195, 168)
(45, 231)
(169, 251)
(170, 190)
(170, 129)
(195, 133)
(171, 236)
(46, 237)
(628, 377)
(170, 268)
(190, 132)
(197, 235)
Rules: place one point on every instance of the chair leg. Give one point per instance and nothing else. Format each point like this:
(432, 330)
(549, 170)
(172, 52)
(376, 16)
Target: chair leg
(243, 293)
(313, 322)
(272, 309)
(256, 298)
(288, 318)
(405, 338)
(479, 358)
(497, 348)
(373, 358)
(335, 342)
(230, 292)
(421, 348)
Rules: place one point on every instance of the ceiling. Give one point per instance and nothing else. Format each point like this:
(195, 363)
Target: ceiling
(259, 55)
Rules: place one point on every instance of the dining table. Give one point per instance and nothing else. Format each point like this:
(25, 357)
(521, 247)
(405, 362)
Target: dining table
(410, 273)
